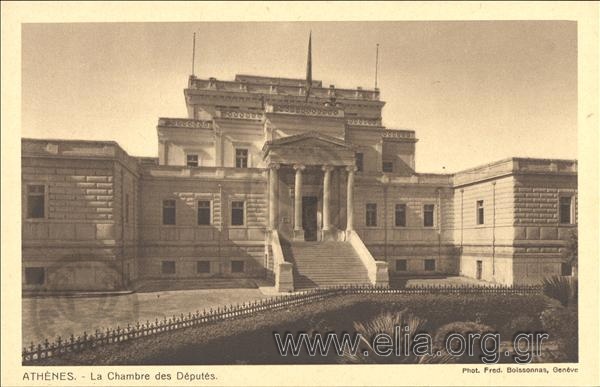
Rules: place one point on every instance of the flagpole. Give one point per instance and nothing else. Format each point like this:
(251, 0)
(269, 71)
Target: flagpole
(194, 55)
(309, 67)
(376, 63)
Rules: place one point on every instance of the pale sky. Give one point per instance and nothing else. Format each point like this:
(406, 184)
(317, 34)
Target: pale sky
(474, 92)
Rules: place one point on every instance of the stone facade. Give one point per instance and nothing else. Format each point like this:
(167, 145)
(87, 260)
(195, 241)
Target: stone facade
(255, 156)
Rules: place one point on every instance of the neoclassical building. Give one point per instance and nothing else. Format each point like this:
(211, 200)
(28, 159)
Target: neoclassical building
(262, 182)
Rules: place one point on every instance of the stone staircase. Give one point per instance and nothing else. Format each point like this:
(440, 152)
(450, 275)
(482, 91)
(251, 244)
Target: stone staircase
(325, 264)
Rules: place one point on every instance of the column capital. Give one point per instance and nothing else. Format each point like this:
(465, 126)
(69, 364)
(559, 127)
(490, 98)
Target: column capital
(327, 168)
(274, 166)
(351, 168)
(299, 167)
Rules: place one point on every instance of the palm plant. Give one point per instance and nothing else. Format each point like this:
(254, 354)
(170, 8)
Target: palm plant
(563, 289)
(387, 323)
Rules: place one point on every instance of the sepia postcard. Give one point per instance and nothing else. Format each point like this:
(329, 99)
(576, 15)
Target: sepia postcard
(299, 194)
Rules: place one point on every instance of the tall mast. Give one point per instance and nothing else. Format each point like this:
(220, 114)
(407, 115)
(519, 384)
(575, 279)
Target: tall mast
(194, 55)
(376, 63)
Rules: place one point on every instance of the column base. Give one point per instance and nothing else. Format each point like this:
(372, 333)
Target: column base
(299, 235)
(329, 235)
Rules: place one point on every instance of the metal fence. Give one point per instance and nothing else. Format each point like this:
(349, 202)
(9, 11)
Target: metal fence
(48, 349)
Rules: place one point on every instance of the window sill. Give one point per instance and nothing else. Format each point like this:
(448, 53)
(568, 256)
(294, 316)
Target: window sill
(36, 220)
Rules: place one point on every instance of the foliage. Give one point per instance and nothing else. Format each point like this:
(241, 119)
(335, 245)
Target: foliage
(561, 325)
(387, 323)
(487, 309)
(571, 250)
(563, 289)
(464, 328)
(522, 324)
(250, 339)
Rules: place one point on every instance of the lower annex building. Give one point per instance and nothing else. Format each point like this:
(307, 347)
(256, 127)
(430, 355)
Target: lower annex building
(264, 182)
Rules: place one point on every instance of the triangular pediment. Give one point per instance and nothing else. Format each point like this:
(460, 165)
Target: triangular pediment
(310, 139)
(309, 148)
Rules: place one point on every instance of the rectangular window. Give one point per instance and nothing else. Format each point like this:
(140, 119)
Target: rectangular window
(192, 160)
(387, 166)
(237, 213)
(126, 208)
(359, 162)
(430, 265)
(36, 201)
(565, 268)
(371, 215)
(168, 267)
(428, 215)
(169, 210)
(400, 220)
(204, 212)
(237, 266)
(241, 158)
(480, 218)
(35, 275)
(401, 265)
(565, 210)
(203, 267)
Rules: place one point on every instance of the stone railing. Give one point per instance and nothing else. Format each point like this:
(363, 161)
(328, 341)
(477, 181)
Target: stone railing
(398, 134)
(292, 90)
(378, 270)
(284, 277)
(184, 123)
(364, 121)
(306, 110)
(240, 115)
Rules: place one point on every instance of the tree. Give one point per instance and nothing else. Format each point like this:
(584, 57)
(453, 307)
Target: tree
(571, 253)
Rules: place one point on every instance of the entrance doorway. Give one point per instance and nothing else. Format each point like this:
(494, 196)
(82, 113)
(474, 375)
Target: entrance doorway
(479, 269)
(309, 217)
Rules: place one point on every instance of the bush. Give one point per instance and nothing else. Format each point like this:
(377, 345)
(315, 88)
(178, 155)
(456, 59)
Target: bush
(464, 328)
(386, 323)
(561, 325)
(563, 289)
(522, 324)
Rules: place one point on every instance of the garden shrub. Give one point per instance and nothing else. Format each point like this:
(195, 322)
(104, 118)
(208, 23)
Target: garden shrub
(561, 325)
(386, 323)
(463, 328)
(563, 289)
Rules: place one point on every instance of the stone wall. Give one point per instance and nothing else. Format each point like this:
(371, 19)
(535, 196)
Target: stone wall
(413, 243)
(539, 238)
(80, 242)
(186, 243)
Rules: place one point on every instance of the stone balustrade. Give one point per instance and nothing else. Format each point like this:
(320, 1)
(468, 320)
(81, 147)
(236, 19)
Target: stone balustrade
(282, 89)
(306, 110)
(184, 123)
(240, 115)
(401, 134)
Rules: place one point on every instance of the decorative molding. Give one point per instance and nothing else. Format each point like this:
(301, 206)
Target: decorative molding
(364, 121)
(306, 110)
(398, 134)
(240, 115)
(184, 123)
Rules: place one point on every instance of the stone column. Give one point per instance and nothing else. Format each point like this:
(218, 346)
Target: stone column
(298, 229)
(350, 199)
(326, 198)
(273, 196)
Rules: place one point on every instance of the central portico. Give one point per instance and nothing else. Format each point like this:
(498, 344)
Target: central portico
(311, 183)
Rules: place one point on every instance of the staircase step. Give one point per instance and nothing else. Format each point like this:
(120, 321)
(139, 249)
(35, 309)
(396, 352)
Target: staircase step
(325, 264)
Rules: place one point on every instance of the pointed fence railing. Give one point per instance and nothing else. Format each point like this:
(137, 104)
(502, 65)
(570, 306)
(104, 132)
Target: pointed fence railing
(46, 349)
